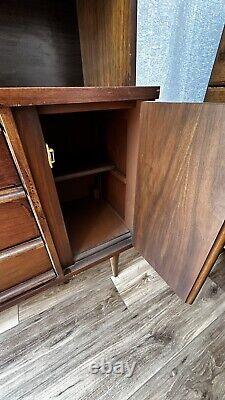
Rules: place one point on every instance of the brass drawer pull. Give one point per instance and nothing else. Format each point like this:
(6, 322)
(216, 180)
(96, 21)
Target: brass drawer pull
(51, 155)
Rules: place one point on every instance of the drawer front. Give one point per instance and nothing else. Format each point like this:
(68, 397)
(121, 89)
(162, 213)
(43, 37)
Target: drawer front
(8, 173)
(23, 262)
(16, 219)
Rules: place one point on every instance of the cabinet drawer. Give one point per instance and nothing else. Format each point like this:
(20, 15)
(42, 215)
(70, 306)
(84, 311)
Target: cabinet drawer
(23, 262)
(8, 173)
(16, 219)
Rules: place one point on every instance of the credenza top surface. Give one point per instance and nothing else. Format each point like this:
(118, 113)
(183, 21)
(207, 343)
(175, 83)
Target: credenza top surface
(34, 96)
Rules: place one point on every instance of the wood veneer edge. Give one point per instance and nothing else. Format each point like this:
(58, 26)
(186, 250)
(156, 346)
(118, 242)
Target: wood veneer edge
(209, 263)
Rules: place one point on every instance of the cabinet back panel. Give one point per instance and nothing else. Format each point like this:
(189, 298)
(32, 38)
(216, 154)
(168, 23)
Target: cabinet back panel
(76, 139)
(39, 43)
(74, 189)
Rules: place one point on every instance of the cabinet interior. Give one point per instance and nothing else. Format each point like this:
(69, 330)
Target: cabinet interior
(40, 44)
(90, 174)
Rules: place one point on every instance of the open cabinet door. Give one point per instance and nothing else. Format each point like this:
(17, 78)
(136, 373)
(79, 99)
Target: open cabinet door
(180, 192)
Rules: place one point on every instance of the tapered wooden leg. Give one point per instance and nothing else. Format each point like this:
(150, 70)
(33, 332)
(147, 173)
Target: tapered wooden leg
(114, 261)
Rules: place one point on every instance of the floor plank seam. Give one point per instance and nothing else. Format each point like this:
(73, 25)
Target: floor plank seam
(174, 356)
(126, 307)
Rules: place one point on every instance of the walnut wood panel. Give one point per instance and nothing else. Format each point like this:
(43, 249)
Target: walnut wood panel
(218, 72)
(74, 95)
(39, 43)
(8, 173)
(114, 190)
(29, 128)
(108, 41)
(180, 206)
(215, 95)
(20, 160)
(16, 219)
(23, 262)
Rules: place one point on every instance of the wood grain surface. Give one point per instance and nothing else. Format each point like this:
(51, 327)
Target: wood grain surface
(178, 350)
(31, 136)
(216, 88)
(91, 223)
(28, 96)
(28, 288)
(215, 94)
(16, 219)
(8, 174)
(108, 41)
(180, 206)
(23, 262)
(218, 72)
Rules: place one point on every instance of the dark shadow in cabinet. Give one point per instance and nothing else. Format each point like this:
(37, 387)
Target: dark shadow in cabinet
(90, 175)
(39, 43)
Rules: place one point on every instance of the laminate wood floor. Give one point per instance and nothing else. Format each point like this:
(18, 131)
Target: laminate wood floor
(177, 351)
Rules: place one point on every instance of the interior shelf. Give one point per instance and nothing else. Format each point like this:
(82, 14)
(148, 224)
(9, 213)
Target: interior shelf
(85, 172)
(91, 223)
(90, 174)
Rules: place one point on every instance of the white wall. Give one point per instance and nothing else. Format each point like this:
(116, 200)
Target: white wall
(176, 45)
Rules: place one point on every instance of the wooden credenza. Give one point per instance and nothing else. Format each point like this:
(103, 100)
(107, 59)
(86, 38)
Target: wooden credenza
(127, 171)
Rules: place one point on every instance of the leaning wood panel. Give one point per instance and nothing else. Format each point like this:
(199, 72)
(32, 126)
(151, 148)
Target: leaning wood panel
(30, 131)
(16, 219)
(180, 205)
(108, 41)
(23, 262)
(218, 72)
(216, 88)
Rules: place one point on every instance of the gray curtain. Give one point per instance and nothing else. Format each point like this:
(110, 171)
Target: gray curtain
(177, 42)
